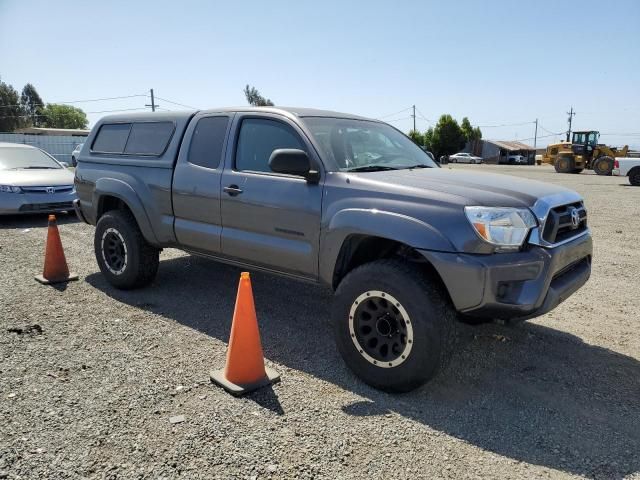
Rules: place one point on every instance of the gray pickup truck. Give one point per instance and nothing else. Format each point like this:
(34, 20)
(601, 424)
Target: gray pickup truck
(348, 202)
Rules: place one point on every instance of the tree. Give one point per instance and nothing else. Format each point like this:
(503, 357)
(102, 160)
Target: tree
(417, 137)
(63, 116)
(254, 98)
(31, 105)
(447, 137)
(11, 113)
(428, 139)
(471, 134)
(467, 129)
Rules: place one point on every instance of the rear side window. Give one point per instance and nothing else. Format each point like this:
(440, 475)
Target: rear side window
(144, 138)
(207, 141)
(258, 139)
(111, 138)
(149, 138)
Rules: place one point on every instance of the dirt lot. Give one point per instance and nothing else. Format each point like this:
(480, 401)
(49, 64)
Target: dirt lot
(91, 394)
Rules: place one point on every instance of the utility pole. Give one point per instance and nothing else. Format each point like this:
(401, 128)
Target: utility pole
(153, 103)
(414, 118)
(535, 135)
(571, 114)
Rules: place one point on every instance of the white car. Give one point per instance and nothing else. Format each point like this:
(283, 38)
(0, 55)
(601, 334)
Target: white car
(519, 159)
(464, 158)
(628, 167)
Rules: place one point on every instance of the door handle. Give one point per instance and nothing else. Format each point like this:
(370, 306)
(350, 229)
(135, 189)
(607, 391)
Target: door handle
(232, 190)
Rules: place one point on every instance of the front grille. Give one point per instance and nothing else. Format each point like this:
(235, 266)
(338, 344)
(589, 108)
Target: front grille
(49, 190)
(560, 224)
(46, 207)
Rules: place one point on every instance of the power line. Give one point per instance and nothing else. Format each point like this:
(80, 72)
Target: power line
(549, 131)
(398, 119)
(71, 113)
(76, 101)
(394, 114)
(423, 117)
(176, 103)
(506, 125)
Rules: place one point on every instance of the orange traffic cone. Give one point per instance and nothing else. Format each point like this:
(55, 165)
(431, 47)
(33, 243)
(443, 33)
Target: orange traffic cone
(55, 265)
(245, 370)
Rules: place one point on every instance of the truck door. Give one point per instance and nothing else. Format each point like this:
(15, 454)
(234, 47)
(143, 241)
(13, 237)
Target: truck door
(269, 219)
(196, 183)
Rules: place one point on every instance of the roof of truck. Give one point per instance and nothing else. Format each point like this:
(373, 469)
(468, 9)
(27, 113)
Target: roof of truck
(294, 111)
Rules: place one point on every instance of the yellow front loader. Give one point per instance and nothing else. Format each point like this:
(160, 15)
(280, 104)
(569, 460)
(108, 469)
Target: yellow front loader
(582, 152)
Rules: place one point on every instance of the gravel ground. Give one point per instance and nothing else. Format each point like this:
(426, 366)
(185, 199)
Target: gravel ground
(91, 391)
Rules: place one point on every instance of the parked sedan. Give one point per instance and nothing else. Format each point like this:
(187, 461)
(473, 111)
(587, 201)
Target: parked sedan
(464, 158)
(32, 181)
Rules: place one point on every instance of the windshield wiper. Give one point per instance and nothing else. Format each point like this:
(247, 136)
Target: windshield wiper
(371, 168)
(418, 165)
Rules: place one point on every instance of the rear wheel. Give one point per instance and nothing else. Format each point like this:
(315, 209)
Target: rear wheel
(124, 256)
(603, 165)
(565, 164)
(394, 328)
(634, 177)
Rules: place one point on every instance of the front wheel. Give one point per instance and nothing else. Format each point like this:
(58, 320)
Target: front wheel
(565, 164)
(394, 328)
(124, 256)
(603, 165)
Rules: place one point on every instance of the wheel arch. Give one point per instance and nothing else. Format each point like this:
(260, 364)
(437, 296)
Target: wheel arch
(633, 170)
(112, 194)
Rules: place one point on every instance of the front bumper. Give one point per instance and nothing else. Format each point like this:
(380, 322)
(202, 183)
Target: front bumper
(517, 285)
(30, 203)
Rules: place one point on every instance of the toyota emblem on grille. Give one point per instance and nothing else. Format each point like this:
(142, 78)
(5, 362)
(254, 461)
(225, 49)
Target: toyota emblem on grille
(575, 218)
(50, 190)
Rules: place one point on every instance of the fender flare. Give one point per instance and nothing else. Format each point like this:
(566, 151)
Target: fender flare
(112, 187)
(377, 223)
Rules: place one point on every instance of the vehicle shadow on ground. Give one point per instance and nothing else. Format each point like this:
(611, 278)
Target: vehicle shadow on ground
(531, 393)
(34, 221)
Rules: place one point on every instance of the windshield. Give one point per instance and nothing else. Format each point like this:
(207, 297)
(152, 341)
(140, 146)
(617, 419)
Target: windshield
(365, 145)
(18, 158)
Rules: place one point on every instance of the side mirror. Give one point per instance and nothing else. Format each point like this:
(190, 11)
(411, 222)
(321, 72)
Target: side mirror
(292, 161)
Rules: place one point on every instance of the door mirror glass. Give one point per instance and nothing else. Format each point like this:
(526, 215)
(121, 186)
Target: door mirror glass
(290, 161)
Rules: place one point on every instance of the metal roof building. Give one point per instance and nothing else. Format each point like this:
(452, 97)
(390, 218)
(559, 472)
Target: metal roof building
(497, 151)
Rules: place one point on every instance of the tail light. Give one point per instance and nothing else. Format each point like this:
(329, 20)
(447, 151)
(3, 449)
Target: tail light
(616, 164)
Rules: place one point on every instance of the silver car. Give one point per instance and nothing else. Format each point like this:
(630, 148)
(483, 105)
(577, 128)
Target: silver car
(463, 157)
(75, 154)
(32, 181)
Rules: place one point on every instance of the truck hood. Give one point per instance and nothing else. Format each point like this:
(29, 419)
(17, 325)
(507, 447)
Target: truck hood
(36, 177)
(472, 188)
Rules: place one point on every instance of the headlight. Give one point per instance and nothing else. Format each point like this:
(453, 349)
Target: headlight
(502, 226)
(10, 189)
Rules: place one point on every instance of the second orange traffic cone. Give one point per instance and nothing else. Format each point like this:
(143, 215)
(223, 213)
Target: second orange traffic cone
(245, 369)
(55, 264)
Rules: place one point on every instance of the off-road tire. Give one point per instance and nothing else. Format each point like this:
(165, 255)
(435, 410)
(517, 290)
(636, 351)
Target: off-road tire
(430, 314)
(603, 165)
(564, 164)
(141, 260)
(634, 177)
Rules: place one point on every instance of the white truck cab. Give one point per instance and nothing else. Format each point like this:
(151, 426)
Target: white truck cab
(628, 167)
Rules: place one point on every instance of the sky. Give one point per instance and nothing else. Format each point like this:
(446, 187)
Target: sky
(501, 63)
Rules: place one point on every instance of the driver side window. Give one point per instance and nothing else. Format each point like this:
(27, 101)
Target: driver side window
(258, 138)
